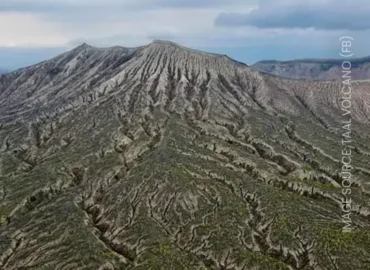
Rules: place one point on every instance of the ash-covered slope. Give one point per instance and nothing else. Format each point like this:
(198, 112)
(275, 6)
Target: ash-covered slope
(315, 69)
(162, 157)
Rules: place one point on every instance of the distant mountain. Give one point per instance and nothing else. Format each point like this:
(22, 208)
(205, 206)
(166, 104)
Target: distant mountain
(315, 69)
(163, 157)
(2, 71)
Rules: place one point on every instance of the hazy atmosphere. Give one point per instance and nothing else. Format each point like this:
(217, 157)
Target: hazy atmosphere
(184, 135)
(247, 30)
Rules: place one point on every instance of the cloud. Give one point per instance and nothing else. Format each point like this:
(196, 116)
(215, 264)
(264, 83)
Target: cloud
(317, 14)
(264, 24)
(26, 30)
(57, 6)
(109, 22)
(141, 28)
(128, 28)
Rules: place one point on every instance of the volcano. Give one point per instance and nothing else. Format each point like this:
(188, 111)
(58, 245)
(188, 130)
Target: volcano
(164, 157)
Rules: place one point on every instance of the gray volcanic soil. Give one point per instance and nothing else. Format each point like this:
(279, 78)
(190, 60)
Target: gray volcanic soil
(162, 157)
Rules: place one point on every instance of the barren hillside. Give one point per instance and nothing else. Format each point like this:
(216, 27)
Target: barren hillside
(162, 157)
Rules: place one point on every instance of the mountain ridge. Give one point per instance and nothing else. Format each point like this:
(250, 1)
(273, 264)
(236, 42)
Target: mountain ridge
(325, 60)
(315, 69)
(163, 158)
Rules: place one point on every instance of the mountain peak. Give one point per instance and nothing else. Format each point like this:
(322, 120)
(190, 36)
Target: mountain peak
(83, 46)
(150, 152)
(168, 44)
(165, 42)
(173, 45)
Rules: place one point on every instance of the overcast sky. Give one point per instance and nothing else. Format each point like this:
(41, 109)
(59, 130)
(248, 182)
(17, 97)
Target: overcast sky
(247, 30)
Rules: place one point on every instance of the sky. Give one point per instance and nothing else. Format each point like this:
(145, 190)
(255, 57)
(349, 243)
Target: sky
(246, 30)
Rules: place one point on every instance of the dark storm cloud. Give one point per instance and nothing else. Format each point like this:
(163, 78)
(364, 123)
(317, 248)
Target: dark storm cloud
(318, 14)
